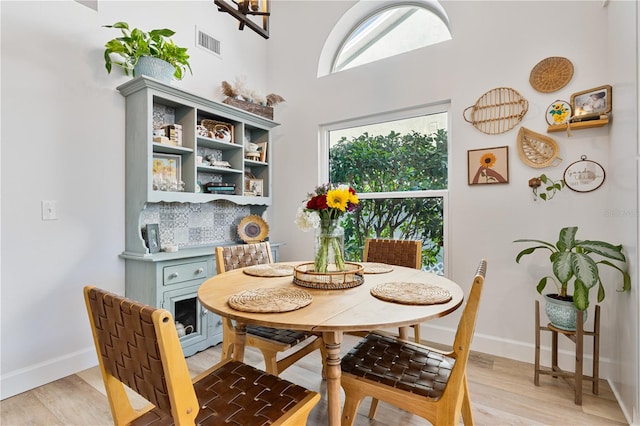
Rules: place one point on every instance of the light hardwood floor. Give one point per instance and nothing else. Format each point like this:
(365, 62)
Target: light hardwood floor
(502, 393)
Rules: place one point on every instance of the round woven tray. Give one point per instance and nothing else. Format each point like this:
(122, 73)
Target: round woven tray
(352, 276)
(270, 300)
(269, 270)
(411, 293)
(551, 74)
(497, 111)
(376, 268)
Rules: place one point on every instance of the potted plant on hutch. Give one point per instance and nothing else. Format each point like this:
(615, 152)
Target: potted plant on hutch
(575, 261)
(150, 53)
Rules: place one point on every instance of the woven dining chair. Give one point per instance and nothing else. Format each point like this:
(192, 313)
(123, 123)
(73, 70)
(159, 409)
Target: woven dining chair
(138, 346)
(424, 381)
(270, 341)
(395, 252)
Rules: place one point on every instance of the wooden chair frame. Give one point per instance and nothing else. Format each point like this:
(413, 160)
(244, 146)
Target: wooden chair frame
(238, 256)
(395, 252)
(156, 369)
(454, 400)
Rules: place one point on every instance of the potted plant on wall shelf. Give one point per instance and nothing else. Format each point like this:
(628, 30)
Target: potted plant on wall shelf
(139, 52)
(577, 262)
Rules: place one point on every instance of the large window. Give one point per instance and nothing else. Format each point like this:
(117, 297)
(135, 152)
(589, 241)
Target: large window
(399, 167)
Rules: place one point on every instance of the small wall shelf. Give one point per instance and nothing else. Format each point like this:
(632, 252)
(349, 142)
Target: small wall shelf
(579, 125)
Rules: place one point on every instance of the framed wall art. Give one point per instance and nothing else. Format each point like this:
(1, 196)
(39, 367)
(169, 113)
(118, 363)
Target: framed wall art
(167, 172)
(488, 165)
(152, 237)
(256, 187)
(584, 175)
(591, 103)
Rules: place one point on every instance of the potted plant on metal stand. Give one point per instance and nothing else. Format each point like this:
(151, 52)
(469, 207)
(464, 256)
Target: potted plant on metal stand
(577, 262)
(150, 53)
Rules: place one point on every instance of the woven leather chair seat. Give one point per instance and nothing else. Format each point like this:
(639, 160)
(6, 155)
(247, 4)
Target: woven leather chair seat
(236, 394)
(289, 337)
(399, 364)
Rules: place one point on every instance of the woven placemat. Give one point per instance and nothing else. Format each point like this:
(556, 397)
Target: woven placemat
(269, 270)
(376, 268)
(411, 293)
(270, 300)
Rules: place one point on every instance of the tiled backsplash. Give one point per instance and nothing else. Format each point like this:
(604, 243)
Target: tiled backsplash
(190, 225)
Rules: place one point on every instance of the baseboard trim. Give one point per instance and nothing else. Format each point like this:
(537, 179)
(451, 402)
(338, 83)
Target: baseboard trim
(24, 379)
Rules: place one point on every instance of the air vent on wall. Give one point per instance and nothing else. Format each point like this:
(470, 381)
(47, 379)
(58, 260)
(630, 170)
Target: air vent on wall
(207, 42)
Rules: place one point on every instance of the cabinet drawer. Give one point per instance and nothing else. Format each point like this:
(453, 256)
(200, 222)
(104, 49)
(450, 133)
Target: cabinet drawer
(185, 272)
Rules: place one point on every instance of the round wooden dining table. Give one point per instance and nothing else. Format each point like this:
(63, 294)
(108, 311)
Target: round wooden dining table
(331, 312)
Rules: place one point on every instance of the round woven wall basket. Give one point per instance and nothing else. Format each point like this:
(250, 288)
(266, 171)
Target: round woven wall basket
(551, 74)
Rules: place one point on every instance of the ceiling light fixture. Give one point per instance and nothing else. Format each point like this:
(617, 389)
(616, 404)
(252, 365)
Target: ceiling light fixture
(245, 11)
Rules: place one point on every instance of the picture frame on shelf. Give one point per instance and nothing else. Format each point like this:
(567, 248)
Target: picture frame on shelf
(152, 237)
(167, 172)
(592, 103)
(488, 165)
(256, 186)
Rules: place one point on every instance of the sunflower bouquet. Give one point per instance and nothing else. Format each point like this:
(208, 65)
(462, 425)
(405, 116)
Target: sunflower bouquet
(322, 211)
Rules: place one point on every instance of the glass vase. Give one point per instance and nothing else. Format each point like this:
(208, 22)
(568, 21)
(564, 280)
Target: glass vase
(329, 247)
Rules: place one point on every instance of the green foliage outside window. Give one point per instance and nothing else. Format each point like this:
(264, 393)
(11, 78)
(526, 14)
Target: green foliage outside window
(393, 163)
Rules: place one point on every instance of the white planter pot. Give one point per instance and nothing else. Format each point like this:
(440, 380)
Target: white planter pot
(154, 68)
(561, 313)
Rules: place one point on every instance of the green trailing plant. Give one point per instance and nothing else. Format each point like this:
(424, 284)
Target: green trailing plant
(545, 188)
(577, 261)
(133, 44)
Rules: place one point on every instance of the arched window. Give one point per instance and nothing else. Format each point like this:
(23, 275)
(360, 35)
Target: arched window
(388, 30)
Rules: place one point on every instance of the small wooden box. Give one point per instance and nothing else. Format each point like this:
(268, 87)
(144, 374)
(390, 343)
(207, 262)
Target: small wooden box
(252, 107)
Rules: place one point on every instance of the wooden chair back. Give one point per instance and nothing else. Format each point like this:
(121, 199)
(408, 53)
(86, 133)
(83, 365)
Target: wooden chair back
(393, 252)
(138, 346)
(241, 255)
(441, 399)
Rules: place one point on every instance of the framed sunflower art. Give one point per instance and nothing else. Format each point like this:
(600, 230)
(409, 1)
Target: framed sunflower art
(488, 165)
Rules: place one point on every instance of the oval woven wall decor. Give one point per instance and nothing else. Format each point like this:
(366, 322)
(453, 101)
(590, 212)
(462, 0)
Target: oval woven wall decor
(537, 150)
(551, 74)
(497, 111)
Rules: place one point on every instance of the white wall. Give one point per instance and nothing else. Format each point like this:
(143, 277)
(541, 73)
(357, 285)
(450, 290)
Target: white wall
(63, 140)
(495, 44)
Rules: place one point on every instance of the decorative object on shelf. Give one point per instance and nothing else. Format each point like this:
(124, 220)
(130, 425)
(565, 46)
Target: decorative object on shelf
(262, 149)
(152, 237)
(559, 112)
(322, 212)
(220, 188)
(239, 96)
(536, 150)
(577, 261)
(218, 130)
(253, 229)
(497, 111)
(584, 175)
(167, 172)
(592, 104)
(251, 151)
(488, 165)
(305, 275)
(256, 186)
(549, 190)
(133, 45)
(551, 74)
(245, 11)
(174, 133)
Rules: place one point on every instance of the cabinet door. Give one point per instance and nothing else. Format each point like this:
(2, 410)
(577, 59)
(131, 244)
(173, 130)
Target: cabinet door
(185, 307)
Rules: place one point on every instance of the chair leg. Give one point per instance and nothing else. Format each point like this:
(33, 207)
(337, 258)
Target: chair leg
(467, 413)
(373, 408)
(351, 403)
(227, 339)
(270, 362)
(416, 333)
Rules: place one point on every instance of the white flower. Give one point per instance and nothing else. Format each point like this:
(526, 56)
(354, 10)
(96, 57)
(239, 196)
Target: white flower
(307, 220)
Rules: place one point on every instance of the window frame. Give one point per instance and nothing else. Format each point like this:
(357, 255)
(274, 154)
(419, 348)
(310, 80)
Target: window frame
(421, 110)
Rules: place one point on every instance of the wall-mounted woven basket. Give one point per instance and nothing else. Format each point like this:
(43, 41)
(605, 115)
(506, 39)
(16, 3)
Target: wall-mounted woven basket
(537, 150)
(497, 111)
(551, 74)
